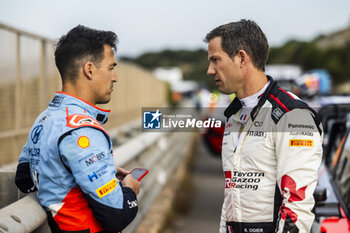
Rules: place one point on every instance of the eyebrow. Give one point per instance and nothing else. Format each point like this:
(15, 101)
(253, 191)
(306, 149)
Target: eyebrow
(213, 57)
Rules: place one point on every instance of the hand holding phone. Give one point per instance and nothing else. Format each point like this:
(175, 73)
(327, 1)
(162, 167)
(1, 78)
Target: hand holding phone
(139, 173)
(121, 173)
(130, 182)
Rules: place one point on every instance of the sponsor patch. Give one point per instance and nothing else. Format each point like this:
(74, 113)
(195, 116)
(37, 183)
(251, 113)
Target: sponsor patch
(107, 188)
(83, 142)
(300, 126)
(301, 142)
(36, 133)
(78, 120)
(56, 101)
(258, 123)
(94, 158)
(98, 173)
(92, 176)
(297, 133)
(243, 180)
(34, 156)
(261, 134)
(277, 112)
(132, 204)
(90, 159)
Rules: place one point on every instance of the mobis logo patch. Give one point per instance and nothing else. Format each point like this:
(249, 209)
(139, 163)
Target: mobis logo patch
(91, 159)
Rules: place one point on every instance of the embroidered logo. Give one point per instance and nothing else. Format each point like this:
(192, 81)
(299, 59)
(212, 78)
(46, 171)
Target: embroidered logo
(301, 142)
(107, 188)
(83, 142)
(36, 133)
(277, 112)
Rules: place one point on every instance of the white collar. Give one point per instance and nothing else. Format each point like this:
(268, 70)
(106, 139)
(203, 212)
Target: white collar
(252, 101)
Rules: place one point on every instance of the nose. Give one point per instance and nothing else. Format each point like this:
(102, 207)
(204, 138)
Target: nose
(114, 77)
(211, 70)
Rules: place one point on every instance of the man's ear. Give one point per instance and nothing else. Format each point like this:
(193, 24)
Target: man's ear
(243, 57)
(88, 69)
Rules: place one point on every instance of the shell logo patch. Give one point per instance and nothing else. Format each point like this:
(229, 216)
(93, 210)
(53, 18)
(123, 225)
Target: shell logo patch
(107, 188)
(83, 142)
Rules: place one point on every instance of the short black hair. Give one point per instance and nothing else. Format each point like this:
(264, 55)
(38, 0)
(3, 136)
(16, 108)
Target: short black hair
(245, 35)
(79, 45)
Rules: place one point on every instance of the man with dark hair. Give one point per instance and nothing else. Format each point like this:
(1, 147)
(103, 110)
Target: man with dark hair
(68, 156)
(272, 145)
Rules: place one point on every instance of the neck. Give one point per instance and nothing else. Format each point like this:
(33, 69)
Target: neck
(253, 84)
(78, 91)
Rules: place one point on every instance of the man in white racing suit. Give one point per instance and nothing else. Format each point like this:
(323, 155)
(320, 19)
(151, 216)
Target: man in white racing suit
(272, 146)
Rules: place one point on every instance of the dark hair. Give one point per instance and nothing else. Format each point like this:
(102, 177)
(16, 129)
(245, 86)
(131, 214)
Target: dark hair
(81, 44)
(245, 35)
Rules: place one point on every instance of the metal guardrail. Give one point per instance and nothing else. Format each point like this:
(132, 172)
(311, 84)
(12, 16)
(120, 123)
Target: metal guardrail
(25, 215)
(29, 78)
(159, 152)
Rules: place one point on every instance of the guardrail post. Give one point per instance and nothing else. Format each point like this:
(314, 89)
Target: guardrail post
(43, 76)
(18, 99)
(8, 189)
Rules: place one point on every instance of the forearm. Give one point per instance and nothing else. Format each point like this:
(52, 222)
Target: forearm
(113, 219)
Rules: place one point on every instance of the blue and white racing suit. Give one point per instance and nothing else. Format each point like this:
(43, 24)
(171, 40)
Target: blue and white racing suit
(68, 158)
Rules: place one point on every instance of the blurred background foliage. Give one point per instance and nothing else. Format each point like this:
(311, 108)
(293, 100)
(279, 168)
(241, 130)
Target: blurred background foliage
(321, 52)
(310, 56)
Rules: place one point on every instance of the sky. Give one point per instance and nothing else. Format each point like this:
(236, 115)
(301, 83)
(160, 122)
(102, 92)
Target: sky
(153, 25)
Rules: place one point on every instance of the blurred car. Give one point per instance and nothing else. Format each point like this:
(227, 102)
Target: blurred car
(213, 139)
(213, 135)
(332, 195)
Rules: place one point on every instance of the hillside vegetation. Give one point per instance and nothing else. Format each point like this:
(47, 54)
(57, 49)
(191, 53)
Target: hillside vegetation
(322, 52)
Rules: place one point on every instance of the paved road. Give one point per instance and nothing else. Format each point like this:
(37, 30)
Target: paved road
(205, 210)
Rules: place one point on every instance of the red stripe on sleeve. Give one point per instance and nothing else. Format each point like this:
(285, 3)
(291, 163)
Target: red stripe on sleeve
(279, 102)
(287, 93)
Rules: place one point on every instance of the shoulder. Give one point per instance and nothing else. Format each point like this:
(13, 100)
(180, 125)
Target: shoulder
(83, 142)
(284, 102)
(82, 138)
(287, 105)
(81, 120)
(84, 123)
